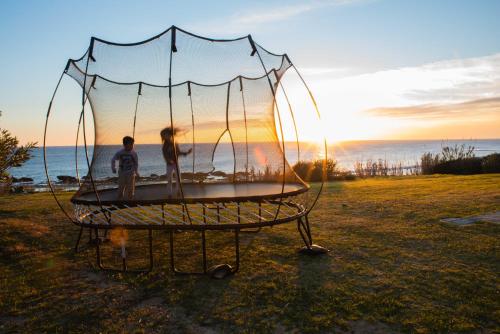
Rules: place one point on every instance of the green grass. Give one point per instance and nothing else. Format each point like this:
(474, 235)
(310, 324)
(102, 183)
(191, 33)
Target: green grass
(393, 267)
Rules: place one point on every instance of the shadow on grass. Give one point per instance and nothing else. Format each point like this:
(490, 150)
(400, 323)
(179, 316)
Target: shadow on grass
(13, 214)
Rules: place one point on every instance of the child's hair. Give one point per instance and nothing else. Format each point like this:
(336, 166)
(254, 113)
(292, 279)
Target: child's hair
(127, 140)
(167, 133)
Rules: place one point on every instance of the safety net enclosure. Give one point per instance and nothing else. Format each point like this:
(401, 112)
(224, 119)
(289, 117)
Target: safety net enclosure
(238, 135)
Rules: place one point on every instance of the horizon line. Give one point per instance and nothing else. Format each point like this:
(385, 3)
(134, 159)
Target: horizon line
(334, 142)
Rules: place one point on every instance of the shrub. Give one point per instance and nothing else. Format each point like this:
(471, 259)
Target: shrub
(450, 153)
(491, 163)
(459, 166)
(428, 162)
(302, 169)
(371, 168)
(313, 171)
(457, 159)
(12, 155)
(381, 167)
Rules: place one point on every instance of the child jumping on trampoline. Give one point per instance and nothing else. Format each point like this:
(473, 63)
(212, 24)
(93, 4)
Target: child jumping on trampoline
(128, 168)
(169, 154)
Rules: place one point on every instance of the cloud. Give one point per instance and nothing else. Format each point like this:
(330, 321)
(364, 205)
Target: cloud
(451, 89)
(459, 80)
(272, 15)
(382, 103)
(249, 20)
(320, 71)
(443, 82)
(478, 109)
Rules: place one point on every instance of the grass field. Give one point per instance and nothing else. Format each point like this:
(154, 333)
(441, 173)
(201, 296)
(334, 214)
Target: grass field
(393, 267)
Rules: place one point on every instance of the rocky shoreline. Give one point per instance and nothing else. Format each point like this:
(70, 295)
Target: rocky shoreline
(71, 183)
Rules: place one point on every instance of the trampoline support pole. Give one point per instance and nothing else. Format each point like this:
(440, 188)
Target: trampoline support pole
(217, 271)
(98, 255)
(308, 230)
(305, 237)
(96, 239)
(78, 239)
(171, 243)
(305, 232)
(124, 268)
(172, 256)
(237, 250)
(150, 237)
(204, 249)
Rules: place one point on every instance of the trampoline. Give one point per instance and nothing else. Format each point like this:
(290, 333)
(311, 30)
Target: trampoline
(238, 137)
(194, 193)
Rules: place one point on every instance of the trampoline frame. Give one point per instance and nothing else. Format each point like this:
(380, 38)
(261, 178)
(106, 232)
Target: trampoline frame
(303, 227)
(106, 209)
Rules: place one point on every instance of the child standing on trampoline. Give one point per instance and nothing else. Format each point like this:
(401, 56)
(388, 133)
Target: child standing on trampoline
(169, 150)
(128, 168)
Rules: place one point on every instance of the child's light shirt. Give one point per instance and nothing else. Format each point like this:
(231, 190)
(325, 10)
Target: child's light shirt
(128, 161)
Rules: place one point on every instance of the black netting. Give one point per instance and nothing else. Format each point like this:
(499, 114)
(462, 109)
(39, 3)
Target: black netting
(232, 119)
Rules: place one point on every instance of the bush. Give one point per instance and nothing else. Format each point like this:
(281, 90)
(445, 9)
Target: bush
(459, 166)
(450, 153)
(11, 154)
(428, 162)
(381, 167)
(491, 163)
(302, 169)
(457, 159)
(313, 171)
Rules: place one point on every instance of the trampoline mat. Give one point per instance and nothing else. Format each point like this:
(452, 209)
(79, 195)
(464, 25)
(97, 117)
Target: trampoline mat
(194, 193)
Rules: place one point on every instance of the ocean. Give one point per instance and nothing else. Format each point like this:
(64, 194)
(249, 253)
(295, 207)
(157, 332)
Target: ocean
(61, 159)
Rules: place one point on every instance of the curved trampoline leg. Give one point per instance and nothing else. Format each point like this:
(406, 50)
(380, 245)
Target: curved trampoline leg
(172, 256)
(98, 256)
(78, 239)
(94, 240)
(237, 250)
(216, 271)
(124, 266)
(305, 232)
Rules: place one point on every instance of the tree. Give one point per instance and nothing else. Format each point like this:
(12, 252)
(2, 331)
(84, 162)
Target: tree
(12, 155)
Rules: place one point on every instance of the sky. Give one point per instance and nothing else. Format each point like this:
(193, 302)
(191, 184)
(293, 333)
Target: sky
(379, 69)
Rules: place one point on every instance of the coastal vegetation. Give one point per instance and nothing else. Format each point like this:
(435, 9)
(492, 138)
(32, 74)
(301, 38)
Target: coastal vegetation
(11, 155)
(312, 171)
(453, 159)
(459, 159)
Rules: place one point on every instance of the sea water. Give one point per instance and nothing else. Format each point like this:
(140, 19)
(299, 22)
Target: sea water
(61, 159)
